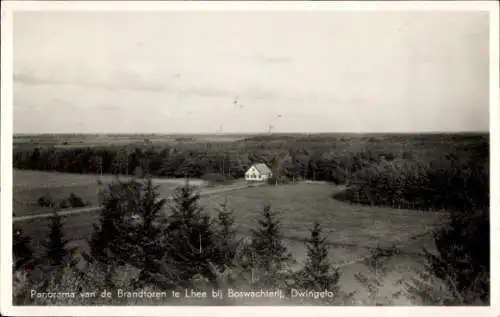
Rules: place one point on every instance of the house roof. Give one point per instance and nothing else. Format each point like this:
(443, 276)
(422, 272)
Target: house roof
(262, 168)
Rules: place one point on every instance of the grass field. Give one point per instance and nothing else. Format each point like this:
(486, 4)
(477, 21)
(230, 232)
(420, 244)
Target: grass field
(351, 227)
(31, 185)
(352, 230)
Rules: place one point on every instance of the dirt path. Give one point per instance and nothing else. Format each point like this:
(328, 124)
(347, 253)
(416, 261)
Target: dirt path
(75, 211)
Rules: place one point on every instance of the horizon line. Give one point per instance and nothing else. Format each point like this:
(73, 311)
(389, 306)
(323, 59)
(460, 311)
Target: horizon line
(250, 133)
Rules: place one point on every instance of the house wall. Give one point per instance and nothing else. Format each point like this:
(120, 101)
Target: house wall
(259, 176)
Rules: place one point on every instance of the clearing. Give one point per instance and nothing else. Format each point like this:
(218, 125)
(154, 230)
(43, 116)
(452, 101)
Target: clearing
(353, 230)
(31, 185)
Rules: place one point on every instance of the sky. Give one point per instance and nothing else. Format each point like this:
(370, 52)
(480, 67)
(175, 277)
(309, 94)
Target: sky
(242, 72)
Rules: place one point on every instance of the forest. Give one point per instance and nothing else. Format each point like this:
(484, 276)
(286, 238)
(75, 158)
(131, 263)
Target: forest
(425, 172)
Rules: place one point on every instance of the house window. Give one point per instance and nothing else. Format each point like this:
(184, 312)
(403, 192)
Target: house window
(254, 176)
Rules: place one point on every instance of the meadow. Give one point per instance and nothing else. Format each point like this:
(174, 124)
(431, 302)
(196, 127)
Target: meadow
(29, 186)
(351, 229)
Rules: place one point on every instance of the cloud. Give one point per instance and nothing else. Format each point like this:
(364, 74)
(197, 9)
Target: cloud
(129, 81)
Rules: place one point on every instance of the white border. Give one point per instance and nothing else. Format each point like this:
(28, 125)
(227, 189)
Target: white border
(6, 157)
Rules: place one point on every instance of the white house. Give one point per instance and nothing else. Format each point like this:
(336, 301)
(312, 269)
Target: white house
(258, 172)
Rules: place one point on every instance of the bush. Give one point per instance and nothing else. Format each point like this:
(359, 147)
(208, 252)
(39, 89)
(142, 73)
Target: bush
(463, 262)
(64, 204)
(46, 201)
(75, 201)
(22, 252)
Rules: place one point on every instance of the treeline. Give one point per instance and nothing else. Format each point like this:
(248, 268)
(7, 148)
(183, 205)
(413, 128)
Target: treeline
(314, 157)
(140, 243)
(197, 160)
(427, 172)
(449, 183)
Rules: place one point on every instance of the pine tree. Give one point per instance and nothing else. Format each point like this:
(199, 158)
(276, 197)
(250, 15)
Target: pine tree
(106, 242)
(318, 273)
(377, 263)
(271, 255)
(226, 233)
(463, 262)
(150, 248)
(191, 236)
(57, 252)
(21, 249)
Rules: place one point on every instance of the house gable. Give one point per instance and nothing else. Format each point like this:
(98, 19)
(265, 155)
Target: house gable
(258, 172)
(252, 170)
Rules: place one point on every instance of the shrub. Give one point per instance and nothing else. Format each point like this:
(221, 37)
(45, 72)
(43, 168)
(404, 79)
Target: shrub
(64, 204)
(75, 201)
(46, 201)
(21, 248)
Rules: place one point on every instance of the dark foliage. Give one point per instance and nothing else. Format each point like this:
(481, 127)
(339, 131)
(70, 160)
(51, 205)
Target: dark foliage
(225, 233)
(75, 201)
(444, 183)
(463, 261)
(46, 201)
(190, 236)
(56, 247)
(148, 240)
(107, 247)
(317, 157)
(22, 251)
(270, 254)
(318, 273)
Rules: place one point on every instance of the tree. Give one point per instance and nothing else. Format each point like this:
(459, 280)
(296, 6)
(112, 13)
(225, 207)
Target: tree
(106, 242)
(226, 232)
(121, 162)
(377, 264)
(271, 255)
(463, 261)
(318, 273)
(150, 250)
(191, 236)
(291, 168)
(21, 249)
(56, 247)
(34, 158)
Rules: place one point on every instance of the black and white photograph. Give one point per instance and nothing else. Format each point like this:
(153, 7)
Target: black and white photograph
(252, 155)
